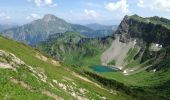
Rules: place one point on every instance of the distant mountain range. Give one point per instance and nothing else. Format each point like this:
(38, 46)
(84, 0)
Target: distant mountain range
(96, 26)
(40, 29)
(101, 30)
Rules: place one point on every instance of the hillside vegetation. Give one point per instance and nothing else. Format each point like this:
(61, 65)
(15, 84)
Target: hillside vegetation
(27, 73)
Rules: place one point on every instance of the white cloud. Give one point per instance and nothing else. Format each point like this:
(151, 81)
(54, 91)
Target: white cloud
(38, 2)
(91, 13)
(168, 17)
(118, 6)
(44, 3)
(4, 16)
(141, 4)
(71, 11)
(33, 17)
(54, 5)
(29, 0)
(48, 2)
(90, 4)
(161, 5)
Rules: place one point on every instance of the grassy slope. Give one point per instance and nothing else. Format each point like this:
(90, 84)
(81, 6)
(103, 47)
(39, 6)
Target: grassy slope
(27, 54)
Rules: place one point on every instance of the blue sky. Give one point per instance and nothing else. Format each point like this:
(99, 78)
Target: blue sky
(107, 12)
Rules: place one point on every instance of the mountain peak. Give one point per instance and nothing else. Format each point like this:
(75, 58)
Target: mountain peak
(135, 16)
(49, 17)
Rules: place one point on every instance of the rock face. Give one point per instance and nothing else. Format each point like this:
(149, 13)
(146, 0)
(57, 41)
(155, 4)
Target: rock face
(149, 30)
(123, 30)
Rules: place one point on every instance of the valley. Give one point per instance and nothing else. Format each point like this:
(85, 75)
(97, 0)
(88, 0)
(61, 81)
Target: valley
(85, 50)
(54, 59)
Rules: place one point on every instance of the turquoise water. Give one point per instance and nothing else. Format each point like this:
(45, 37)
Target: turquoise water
(100, 68)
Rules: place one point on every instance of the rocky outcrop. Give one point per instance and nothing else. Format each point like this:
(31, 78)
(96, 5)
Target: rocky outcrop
(145, 30)
(123, 30)
(9, 60)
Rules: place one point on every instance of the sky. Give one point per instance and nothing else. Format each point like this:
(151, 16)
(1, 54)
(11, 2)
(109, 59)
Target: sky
(106, 12)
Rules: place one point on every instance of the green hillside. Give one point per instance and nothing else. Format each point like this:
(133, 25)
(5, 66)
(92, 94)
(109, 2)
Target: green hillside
(27, 74)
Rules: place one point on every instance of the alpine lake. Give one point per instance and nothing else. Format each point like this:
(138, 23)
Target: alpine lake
(101, 68)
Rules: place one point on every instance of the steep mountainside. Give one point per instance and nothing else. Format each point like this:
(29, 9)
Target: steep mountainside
(74, 48)
(150, 39)
(27, 73)
(150, 30)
